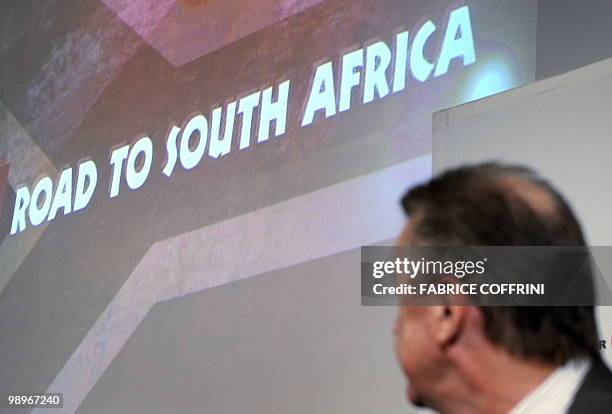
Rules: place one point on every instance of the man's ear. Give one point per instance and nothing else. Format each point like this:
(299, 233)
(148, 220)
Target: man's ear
(450, 321)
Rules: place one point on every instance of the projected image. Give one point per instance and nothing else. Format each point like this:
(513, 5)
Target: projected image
(155, 149)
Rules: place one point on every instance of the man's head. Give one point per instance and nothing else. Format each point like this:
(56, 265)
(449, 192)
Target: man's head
(487, 205)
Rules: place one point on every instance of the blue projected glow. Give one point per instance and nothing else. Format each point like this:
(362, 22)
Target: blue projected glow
(490, 78)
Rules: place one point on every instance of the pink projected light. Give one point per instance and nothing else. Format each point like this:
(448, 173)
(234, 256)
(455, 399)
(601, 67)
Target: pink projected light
(185, 30)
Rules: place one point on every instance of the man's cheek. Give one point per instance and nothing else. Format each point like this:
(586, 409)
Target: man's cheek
(405, 353)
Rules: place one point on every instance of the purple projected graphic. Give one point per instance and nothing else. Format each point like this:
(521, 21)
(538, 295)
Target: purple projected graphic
(160, 150)
(374, 62)
(170, 26)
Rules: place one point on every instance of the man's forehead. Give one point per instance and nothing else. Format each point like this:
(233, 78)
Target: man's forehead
(408, 236)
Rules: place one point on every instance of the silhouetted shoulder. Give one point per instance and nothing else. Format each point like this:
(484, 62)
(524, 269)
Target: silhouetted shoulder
(595, 394)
